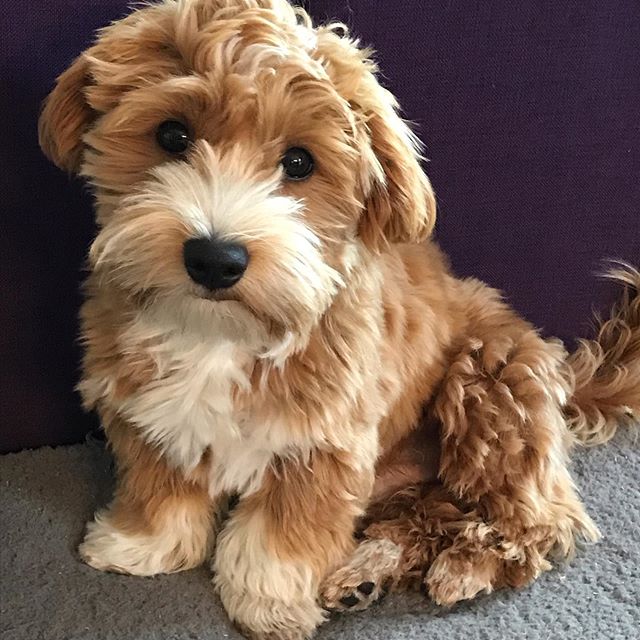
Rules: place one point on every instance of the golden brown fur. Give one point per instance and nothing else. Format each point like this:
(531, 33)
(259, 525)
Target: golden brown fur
(348, 381)
(605, 371)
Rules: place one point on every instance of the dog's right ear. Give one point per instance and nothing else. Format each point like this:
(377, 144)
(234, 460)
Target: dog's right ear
(65, 117)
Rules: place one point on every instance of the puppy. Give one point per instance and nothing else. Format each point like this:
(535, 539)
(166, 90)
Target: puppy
(265, 317)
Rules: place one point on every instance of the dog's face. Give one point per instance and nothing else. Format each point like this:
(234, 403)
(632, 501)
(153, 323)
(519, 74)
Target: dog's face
(237, 153)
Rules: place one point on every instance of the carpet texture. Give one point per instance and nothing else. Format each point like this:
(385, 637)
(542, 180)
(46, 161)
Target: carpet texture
(47, 594)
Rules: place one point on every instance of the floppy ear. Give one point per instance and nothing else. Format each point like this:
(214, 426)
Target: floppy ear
(400, 204)
(65, 117)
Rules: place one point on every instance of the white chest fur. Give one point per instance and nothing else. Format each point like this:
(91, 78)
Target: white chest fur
(188, 409)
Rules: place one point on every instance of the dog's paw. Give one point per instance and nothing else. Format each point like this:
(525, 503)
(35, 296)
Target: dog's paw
(108, 548)
(265, 618)
(346, 597)
(364, 579)
(266, 597)
(453, 577)
(270, 619)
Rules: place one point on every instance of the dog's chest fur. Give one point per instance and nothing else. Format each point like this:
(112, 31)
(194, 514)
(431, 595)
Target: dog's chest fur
(188, 408)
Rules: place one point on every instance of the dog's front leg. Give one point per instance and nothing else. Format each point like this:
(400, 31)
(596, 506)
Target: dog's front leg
(160, 520)
(282, 539)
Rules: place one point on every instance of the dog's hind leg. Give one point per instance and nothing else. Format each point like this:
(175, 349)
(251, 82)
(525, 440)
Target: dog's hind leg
(504, 449)
(403, 535)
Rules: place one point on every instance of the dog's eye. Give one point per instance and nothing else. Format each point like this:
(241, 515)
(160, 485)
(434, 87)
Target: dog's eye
(173, 136)
(298, 163)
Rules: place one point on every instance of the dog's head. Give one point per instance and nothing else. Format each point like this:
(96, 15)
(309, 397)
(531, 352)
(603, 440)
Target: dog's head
(237, 153)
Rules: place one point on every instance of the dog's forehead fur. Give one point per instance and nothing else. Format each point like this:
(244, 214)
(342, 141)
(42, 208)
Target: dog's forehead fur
(240, 48)
(234, 71)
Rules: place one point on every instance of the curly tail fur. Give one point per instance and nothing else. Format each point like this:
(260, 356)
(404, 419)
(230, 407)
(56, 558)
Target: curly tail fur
(606, 370)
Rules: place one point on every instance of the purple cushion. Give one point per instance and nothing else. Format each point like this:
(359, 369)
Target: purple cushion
(529, 112)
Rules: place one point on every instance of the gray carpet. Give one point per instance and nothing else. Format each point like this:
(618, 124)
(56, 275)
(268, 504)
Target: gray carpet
(47, 594)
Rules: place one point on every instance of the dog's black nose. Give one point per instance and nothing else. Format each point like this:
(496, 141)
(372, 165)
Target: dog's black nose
(213, 263)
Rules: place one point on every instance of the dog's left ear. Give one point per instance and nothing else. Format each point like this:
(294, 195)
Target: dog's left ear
(65, 117)
(400, 204)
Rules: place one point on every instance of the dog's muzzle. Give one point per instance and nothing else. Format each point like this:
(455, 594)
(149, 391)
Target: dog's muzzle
(213, 263)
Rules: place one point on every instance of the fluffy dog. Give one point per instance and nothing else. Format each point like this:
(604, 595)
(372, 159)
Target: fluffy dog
(266, 318)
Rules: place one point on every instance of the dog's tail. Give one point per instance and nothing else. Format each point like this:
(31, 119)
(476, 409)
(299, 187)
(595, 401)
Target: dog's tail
(606, 370)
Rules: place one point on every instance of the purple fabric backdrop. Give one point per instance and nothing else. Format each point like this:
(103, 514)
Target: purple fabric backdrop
(530, 115)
